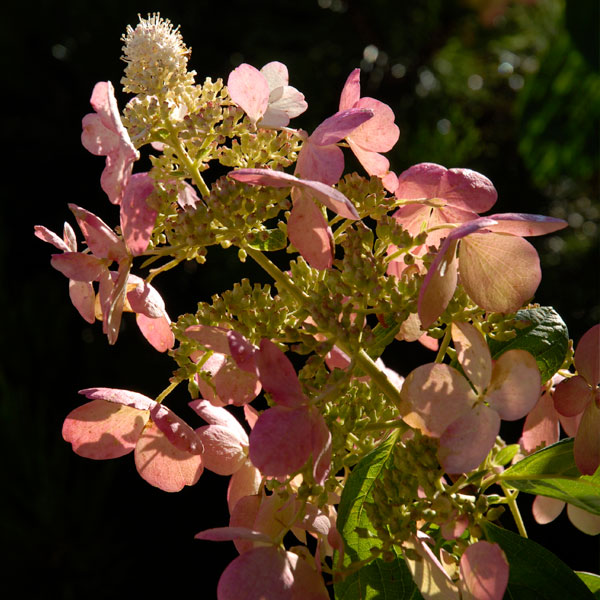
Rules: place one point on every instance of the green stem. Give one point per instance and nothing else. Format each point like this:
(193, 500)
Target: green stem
(511, 500)
(167, 391)
(444, 345)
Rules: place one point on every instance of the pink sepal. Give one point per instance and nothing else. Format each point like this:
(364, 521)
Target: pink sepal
(211, 337)
(522, 224)
(78, 266)
(137, 218)
(339, 126)
(249, 89)
(483, 572)
(227, 534)
(116, 396)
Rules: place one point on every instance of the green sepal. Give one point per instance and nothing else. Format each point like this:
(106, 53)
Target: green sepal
(546, 338)
(552, 472)
(268, 240)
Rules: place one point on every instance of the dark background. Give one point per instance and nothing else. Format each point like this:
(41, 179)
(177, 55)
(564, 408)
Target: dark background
(510, 89)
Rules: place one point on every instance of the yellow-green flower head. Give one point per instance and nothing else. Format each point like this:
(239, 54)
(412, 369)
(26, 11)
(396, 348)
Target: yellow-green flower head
(156, 56)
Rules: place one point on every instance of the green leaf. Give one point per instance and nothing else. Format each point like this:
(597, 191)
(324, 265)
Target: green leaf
(552, 472)
(592, 581)
(546, 339)
(378, 579)
(534, 571)
(268, 240)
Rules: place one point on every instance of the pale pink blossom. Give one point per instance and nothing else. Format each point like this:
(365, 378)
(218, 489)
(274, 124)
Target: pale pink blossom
(104, 135)
(265, 95)
(440, 402)
(168, 453)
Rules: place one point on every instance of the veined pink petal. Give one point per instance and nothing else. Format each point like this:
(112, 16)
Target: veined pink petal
(144, 298)
(157, 331)
(249, 89)
(177, 431)
(515, 386)
(103, 101)
(587, 356)
(100, 238)
(499, 272)
(586, 449)
(285, 102)
(78, 266)
(545, 509)
(320, 163)
(473, 354)
(572, 395)
(83, 298)
(163, 465)
(228, 534)
(102, 430)
(483, 572)
(216, 415)
(541, 426)
(137, 218)
(522, 224)
(244, 482)
(277, 375)
(280, 442)
(420, 181)
(467, 440)
(115, 176)
(243, 514)
(340, 125)
(380, 133)
(309, 232)
(224, 451)
(276, 74)
(113, 303)
(351, 91)
(432, 396)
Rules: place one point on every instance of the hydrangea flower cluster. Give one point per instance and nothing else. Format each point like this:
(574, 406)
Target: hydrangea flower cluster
(351, 461)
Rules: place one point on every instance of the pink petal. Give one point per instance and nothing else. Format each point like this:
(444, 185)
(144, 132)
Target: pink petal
(373, 163)
(115, 176)
(101, 430)
(483, 572)
(103, 101)
(309, 232)
(244, 482)
(77, 266)
(499, 272)
(469, 190)
(321, 447)
(320, 163)
(541, 425)
(116, 396)
(473, 354)
(113, 301)
(270, 573)
(522, 224)
(278, 376)
(390, 182)
(420, 181)
(351, 92)
(96, 138)
(227, 534)
(545, 509)
(249, 89)
(587, 356)
(572, 395)
(515, 386)
(216, 415)
(50, 237)
(380, 133)
(586, 449)
(213, 338)
(243, 514)
(223, 450)
(280, 442)
(584, 520)
(157, 331)
(276, 74)
(242, 352)
(137, 218)
(438, 286)
(432, 396)
(100, 238)
(83, 298)
(176, 430)
(144, 298)
(339, 126)
(466, 441)
(163, 465)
